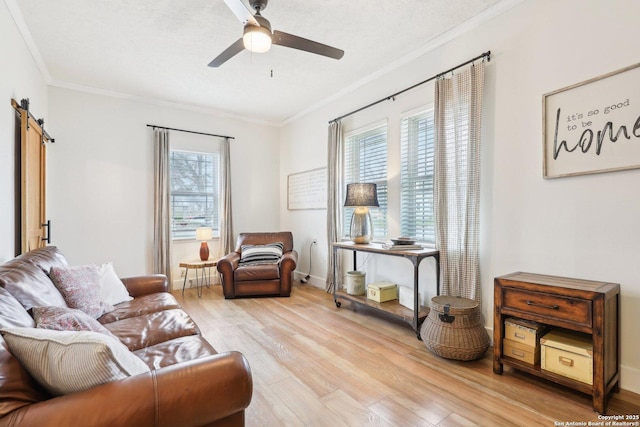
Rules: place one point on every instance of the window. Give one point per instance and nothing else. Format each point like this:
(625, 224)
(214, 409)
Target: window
(365, 160)
(416, 177)
(194, 192)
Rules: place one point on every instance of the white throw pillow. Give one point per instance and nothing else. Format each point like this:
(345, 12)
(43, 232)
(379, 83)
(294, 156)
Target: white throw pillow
(70, 361)
(112, 290)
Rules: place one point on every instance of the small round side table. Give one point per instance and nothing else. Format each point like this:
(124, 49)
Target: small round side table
(200, 281)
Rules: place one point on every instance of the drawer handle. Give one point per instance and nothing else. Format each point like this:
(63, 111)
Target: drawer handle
(552, 307)
(519, 336)
(518, 353)
(565, 361)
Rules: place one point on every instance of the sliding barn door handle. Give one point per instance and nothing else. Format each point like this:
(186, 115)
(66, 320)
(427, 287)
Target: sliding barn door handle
(48, 237)
(536, 304)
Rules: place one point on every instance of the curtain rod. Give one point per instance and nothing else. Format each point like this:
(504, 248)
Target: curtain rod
(390, 97)
(190, 131)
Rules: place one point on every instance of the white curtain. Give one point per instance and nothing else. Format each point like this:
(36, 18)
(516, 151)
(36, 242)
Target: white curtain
(334, 197)
(226, 223)
(161, 204)
(458, 118)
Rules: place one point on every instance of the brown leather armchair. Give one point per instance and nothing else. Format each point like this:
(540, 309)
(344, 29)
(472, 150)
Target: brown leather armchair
(273, 279)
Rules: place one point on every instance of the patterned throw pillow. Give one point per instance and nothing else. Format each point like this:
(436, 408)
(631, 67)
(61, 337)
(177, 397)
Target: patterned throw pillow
(69, 361)
(261, 254)
(80, 288)
(66, 319)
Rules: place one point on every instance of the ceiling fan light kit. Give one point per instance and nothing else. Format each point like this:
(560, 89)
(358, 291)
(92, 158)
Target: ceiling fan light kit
(258, 37)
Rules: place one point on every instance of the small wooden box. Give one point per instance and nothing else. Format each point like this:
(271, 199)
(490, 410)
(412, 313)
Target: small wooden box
(524, 331)
(382, 291)
(568, 354)
(521, 351)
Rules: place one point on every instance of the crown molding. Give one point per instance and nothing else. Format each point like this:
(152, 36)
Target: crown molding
(435, 43)
(18, 19)
(160, 102)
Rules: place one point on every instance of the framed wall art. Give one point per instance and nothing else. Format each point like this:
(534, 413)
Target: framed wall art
(593, 126)
(307, 190)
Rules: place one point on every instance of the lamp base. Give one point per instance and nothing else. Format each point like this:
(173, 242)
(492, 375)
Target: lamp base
(361, 231)
(204, 251)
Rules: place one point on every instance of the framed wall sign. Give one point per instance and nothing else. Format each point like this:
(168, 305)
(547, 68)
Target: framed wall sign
(593, 126)
(307, 190)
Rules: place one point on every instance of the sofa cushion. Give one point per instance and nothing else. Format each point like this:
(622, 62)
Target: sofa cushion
(66, 319)
(112, 290)
(29, 284)
(145, 304)
(80, 287)
(269, 253)
(153, 328)
(45, 258)
(68, 361)
(175, 351)
(257, 272)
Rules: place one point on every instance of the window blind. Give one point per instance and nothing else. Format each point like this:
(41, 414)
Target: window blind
(194, 181)
(416, 177)
(365, 160)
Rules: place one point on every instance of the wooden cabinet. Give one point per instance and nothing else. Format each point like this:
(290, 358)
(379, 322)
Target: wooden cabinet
(585, 306)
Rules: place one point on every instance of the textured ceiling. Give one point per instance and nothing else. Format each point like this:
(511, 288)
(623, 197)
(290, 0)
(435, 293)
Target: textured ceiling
(160, 49)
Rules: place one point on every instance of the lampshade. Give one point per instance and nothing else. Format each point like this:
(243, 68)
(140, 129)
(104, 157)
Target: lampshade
(362, 195)
(256, 39)
(204, 233)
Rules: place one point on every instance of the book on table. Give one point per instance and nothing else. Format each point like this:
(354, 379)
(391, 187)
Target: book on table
(391, 246)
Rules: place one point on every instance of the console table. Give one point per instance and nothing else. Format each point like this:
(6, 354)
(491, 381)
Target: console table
(575, 305)
(414, 317)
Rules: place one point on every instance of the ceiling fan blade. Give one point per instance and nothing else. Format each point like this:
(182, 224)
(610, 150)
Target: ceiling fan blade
(242, 13)
(229, 53)
(295, 42)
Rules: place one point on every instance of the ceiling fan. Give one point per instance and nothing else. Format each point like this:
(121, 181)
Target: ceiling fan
(257, 36)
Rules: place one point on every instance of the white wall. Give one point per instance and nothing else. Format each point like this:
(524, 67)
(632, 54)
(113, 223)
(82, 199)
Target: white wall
(19, 78)
(585, 227)
(100, 191)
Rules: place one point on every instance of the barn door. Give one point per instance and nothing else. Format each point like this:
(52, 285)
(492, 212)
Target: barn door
(35, 229)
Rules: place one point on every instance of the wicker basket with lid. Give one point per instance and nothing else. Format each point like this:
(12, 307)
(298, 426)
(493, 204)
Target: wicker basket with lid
(453, 329)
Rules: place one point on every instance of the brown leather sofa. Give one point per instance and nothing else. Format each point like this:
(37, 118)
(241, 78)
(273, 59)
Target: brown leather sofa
(189, 384)
(275, 279)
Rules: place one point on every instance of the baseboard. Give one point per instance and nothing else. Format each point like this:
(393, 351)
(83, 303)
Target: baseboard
(630, 379)
(191, 283)
(178, 283)
(315, 281)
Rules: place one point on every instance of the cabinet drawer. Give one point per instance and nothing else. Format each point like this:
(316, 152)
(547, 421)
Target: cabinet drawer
(573, 310)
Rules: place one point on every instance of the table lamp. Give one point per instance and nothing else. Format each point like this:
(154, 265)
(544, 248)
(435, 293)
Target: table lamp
(362, 196)
(203, 234)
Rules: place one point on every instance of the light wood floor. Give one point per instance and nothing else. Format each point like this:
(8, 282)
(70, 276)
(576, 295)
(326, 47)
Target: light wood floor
(317, 365)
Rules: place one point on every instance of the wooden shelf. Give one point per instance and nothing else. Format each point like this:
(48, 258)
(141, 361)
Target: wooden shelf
(392, 308)
(537, 371)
